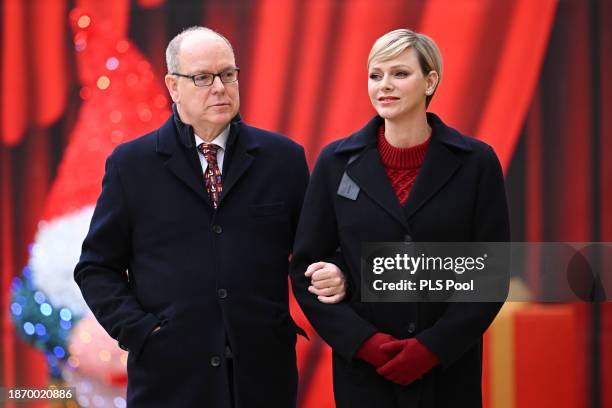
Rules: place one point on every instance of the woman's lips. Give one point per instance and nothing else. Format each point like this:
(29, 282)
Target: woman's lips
(385, 100)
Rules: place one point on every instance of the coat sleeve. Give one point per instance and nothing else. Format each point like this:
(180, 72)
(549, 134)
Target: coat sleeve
(463, 324)
(317, 239)
(101, 272)
(338, 259)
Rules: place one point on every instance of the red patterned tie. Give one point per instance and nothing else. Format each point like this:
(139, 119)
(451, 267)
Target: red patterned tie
(212, 175)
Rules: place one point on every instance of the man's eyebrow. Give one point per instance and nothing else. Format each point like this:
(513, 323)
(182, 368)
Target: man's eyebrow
(199, 72)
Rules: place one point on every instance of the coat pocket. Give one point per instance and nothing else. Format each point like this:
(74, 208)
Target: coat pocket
(152, 340)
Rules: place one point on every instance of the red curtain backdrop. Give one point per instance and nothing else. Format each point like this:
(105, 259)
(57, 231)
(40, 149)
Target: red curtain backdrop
(528, 77)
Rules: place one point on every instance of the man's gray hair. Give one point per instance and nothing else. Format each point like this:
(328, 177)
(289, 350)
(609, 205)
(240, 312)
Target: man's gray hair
(174, 46)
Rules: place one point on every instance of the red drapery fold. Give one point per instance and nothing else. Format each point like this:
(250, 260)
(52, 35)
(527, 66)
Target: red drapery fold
(48, 61)
(515, 79)
(267, 76)
(34, 79)
(14, 82)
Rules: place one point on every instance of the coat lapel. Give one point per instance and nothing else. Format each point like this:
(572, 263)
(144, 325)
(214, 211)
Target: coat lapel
(180, 165)
(369, 174)
(441, 162)
(240, 147)
(437, 168)
(182, 160)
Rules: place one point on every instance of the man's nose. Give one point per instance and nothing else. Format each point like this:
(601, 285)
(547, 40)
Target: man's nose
(217, 85)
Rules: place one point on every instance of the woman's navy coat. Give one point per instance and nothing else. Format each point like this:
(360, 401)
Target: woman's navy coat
(458, 196)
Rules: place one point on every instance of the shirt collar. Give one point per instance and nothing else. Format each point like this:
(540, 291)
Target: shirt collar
(220, 140)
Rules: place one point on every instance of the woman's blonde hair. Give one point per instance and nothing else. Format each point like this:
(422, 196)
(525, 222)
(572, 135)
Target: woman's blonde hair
(395, 42)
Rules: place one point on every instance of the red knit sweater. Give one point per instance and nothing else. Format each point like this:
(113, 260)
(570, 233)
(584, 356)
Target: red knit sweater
(402, 165)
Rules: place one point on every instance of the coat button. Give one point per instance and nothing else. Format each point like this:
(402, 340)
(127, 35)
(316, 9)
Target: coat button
(215, 361)
(411, 328)
(217, 229)
(222, 293)
(123, 346)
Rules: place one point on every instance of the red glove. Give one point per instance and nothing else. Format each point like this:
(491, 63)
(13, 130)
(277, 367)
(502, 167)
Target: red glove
(370, 349)
(412, 360)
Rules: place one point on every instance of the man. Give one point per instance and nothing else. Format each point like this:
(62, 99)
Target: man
(201, 213)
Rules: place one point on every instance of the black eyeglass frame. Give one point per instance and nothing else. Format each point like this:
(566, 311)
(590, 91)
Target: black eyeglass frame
(214, 75)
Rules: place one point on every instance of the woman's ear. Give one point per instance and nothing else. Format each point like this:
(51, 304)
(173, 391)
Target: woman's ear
(431, 82)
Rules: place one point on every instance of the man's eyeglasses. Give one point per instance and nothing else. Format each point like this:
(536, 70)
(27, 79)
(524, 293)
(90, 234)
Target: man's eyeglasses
(207, 78)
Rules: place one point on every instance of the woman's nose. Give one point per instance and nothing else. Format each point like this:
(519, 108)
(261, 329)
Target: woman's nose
(386, 83)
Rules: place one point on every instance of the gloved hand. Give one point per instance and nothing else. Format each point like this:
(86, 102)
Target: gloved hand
(370, 349)
(412, 360)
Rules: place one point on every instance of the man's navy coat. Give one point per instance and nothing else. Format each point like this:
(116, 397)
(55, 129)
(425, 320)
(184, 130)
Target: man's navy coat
(158, 254)
(458, 196)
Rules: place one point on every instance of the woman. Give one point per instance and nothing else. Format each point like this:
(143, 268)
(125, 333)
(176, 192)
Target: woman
(404, 176)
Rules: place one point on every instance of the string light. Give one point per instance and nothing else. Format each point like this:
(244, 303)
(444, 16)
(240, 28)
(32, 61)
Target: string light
(103, 82)
(39, 297)
(122, 46)
(112, 63)
(65, 314)
(46, 309)
(28, 327)
(115, 116)
(84, 21)
(16, 309)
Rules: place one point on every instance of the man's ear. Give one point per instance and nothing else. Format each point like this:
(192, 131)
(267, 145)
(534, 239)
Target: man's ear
(172, 85)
